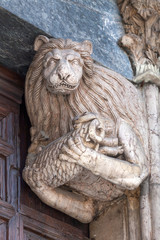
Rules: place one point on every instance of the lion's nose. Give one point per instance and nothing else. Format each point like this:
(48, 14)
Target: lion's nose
(63, 75)
(63, 71)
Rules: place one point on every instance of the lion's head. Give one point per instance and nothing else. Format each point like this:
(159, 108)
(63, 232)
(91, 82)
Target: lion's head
(63, 82)
(62, 70)
(63, 63)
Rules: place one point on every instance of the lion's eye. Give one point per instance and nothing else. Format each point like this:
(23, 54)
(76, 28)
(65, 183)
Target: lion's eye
(75, 62)
(52, 61)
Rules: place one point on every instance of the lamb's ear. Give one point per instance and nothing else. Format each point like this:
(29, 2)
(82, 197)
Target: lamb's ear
(87, 45)
(39, 41)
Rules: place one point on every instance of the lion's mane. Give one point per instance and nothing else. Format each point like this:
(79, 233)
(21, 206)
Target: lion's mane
(100, 91)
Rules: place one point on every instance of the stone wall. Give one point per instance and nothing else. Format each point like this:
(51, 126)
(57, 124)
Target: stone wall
(98, 21)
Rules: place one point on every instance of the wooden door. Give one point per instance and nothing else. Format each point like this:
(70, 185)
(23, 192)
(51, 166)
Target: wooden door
(22, 215)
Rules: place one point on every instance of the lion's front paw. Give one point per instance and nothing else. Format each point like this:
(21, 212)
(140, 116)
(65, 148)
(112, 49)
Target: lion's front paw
(72, 150)
(75, 152)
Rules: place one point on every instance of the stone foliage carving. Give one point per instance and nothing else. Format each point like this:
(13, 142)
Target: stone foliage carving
(89, 133)
(142, 26)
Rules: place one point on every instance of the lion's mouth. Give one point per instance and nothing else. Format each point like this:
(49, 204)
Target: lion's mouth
(61, 87)
(64, 84)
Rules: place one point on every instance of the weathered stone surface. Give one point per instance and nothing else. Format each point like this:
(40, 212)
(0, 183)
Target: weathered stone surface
(16, 42)
(97, 21)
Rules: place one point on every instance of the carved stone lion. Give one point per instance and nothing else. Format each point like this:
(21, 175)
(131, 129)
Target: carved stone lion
(89, 133)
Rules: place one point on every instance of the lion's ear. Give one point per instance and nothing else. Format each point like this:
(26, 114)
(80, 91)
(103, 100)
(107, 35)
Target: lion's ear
(39, 41)
(87, 46)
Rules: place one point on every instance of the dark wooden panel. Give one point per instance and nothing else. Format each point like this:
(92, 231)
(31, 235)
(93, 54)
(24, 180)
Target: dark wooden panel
(11, 91)
(6, 210)
(33, 236)
(13, 77)
(2, 179)
(3, 129)
(9, 127)
(11, 85)
(3, 230)
(9, 164)
(48, 232)
(48, 226)
(13, 187)
(7, 106)
(15, 228)
(5, 148)
(10, 97)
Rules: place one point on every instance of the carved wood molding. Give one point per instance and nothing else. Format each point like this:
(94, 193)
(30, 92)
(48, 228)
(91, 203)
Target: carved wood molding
(42, 223)
(6, 210)
(142, 40)
(5, 148)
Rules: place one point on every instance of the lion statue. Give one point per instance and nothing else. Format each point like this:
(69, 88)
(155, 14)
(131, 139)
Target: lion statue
(89, 131)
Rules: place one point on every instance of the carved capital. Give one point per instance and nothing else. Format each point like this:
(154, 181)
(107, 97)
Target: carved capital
(142, 24)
